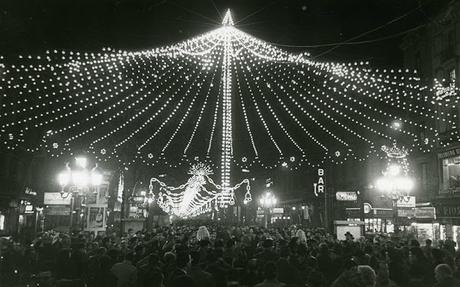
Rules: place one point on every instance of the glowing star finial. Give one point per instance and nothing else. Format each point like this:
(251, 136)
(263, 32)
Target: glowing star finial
(228, 20)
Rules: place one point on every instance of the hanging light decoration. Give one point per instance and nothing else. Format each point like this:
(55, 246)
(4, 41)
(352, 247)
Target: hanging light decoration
(198, 195)
(145, 106)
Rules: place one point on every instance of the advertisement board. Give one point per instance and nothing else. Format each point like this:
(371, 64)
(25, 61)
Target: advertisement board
(96, 218)
(277, 210)
(346, 196)
(55, 198)
(406, 201)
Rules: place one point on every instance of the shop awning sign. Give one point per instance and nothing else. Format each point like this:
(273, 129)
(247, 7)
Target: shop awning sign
(406, 201)
(448, 211)
(346, 196)
(449, 153)
(425, 212)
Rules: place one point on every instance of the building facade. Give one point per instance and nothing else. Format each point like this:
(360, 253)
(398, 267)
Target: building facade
(434, 51)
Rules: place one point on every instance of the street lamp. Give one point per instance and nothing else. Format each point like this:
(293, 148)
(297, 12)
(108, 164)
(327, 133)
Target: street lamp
(78, 180)
(395, 182)
(267, 201)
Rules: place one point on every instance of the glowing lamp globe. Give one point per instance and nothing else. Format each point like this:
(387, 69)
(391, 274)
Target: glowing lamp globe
(63, 178)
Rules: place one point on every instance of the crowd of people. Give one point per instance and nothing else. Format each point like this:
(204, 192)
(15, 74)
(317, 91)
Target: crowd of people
(213, 255)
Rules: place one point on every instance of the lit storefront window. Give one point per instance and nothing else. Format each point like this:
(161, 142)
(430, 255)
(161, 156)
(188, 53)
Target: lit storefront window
(451, 173)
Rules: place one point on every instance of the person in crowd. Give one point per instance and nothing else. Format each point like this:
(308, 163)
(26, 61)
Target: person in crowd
(270, 276)
(199, 276)
(198, 253)
(428, 249)
(383, 275)
(202, 234)
(444, 276)
(125, 272)
(457, 267)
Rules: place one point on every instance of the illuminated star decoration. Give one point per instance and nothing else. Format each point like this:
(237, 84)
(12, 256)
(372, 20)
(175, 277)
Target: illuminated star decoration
(193, 197)
(225, 97)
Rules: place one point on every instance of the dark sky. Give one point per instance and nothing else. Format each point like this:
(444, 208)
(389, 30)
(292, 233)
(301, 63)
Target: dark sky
(34, 26)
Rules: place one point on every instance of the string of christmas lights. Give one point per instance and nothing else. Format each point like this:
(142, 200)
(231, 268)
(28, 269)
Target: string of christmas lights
(224, 98)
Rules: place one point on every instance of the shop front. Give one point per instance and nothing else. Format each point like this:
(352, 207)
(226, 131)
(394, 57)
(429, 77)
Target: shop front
(449, 161)
(448, 215)
(421, 221)
(448, 201)
(376, 220)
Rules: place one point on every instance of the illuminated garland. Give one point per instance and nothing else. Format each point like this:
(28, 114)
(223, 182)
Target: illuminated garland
(224, 98)
(193, 198)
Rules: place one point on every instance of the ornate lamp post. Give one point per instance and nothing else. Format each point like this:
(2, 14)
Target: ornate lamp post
(78, 180)
(395, 181)
(267, 201)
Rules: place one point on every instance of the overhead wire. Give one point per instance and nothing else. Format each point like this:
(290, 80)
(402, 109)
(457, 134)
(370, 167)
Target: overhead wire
(352, 43)
(370, 31)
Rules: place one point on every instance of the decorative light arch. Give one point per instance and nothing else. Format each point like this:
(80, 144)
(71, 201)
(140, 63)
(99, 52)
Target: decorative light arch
(223, 98)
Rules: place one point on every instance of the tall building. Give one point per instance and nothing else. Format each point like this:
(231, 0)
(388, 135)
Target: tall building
(434, 51)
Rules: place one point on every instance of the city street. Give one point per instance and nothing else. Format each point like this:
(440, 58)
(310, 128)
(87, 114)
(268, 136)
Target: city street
(230, 143)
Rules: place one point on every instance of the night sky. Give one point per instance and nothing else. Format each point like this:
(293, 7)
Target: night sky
(33, 26)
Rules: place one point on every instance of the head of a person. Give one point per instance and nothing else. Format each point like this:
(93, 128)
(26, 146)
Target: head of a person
(268, 243)
(270, 271)
(323, 248)
(169, 258)
(202, 233)
(300, 234)
(101, 251)
(442, 271)
(428, 242)
(367, 275)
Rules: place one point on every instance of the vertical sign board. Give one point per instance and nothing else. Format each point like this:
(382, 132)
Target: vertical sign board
(318, 187)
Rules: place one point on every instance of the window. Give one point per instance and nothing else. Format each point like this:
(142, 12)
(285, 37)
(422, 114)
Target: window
(451, 173)
(2, 222)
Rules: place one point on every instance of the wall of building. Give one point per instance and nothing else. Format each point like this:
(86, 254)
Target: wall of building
(435, 51)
